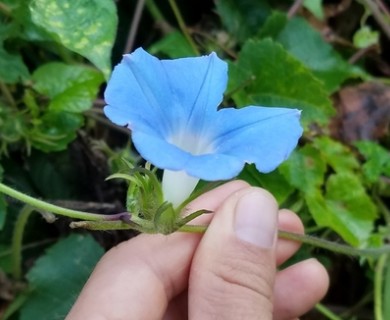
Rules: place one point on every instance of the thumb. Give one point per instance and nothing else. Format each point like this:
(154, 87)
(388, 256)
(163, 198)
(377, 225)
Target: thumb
(233, 270)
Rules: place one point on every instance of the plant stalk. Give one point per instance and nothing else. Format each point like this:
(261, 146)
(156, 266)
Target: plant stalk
(378, 287)
(45, 206)
(17, 241)
(316, 242)
(327, 312)
(307, 239)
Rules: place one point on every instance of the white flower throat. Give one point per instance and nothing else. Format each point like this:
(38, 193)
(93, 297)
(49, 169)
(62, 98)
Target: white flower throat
(178, 185)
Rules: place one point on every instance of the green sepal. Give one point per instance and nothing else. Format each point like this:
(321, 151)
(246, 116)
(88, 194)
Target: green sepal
(165, 219)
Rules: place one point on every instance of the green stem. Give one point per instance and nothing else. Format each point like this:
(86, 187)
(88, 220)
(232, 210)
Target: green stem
(333, 246)
(327, 312)
(154, 11)
(45, 206)
(182, 26)
(316, 242)
(192, 216)
(158, 17)
(378, 286)
(191, 228)
(103, 225)
(17, 241)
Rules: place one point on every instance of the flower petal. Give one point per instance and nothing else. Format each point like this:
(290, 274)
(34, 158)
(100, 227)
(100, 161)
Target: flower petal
(165, 95)
(159, 152)
(214, 166)
(198, 85)
(138, 93)
(259, 135)
(210, 167)
(169, 103)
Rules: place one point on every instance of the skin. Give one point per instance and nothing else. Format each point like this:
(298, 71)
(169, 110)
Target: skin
(217, 275)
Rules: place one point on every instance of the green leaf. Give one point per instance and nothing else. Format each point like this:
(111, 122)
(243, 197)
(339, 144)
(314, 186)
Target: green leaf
(57, 277)
(174, 45)
(377, 160)
(11, 124)
(305, 169)
(270, 76)
(274, 182)
(243, 18)
(55, 130)
(12, 67)
(346, 208)
(54, 175)
(275, 23)
(337, 155)
(71, 88)
(348, 200)
(319, 210)
(12, 127)
(365, 37)
(29, 31)
(315, 7)
(307, 45)
(87, 27)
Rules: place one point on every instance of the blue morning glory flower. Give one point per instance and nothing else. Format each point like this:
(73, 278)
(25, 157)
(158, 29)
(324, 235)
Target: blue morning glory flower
(171, 108)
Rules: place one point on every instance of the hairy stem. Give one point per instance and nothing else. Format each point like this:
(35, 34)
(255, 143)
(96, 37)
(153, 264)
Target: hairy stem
(143, 225)
(378, 286)
(333, 246)
(310, 240)
(17, 241)
(45, 206)
(327, 312)
(158, 17)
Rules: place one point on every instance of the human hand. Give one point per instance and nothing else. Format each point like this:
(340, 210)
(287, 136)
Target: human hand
(227, 273)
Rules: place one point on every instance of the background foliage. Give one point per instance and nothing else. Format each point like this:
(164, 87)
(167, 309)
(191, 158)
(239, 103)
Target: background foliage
(328, 58)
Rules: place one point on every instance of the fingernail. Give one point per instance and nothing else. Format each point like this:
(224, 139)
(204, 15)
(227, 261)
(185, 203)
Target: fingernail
(256, 219)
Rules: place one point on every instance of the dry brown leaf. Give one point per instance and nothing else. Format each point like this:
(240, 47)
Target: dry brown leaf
(364, 112)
